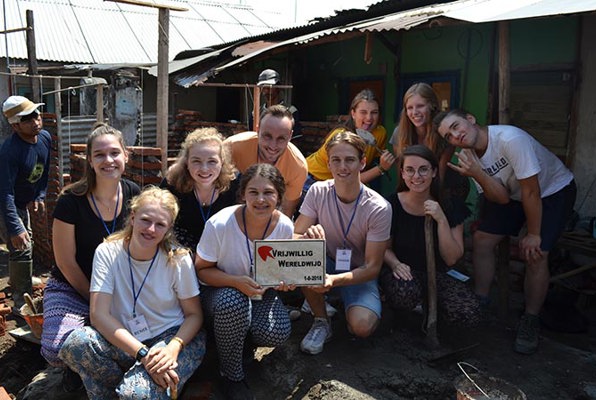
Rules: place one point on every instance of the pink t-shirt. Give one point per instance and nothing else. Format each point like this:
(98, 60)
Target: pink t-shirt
(372, 219)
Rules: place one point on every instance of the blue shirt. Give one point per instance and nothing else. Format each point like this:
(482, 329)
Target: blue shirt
(24, 171)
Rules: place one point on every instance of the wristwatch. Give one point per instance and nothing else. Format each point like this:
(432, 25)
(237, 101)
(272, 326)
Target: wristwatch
(143, 351)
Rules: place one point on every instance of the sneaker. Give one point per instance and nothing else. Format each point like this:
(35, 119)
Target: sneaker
(233, 390)
(319, 334)
(331, 311)
(526, 341)
(71, 381)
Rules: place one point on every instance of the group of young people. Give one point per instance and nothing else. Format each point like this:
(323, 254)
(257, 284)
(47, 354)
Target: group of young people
(140, 273)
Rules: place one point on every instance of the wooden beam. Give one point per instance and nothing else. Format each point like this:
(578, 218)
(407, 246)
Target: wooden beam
(151, 4)
(504, 72)
(15, 30)
(32, 58)
(368, 47)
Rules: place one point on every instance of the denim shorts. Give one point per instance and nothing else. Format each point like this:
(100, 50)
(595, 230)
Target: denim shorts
(507, 219)
(364, 294)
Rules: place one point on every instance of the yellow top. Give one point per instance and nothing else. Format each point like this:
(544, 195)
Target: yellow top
(318, 161)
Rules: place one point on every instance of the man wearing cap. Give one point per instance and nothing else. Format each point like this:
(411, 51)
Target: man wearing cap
(24, 162)
(271, 95)
(272, 145)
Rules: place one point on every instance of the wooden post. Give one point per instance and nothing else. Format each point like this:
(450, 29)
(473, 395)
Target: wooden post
(431, 308)
(58, 106)
(162, 72)
(256, 108)
(163, 86)
(504, 72)
(503, 253)
(32, 58)
(99, 103)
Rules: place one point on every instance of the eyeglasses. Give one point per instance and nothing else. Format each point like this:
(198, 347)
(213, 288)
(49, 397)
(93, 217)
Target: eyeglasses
(422, 171)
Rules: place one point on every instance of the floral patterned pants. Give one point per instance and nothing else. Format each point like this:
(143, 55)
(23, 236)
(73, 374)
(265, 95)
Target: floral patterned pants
(110, 373)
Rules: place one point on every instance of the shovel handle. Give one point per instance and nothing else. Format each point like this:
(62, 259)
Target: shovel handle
(431, 316)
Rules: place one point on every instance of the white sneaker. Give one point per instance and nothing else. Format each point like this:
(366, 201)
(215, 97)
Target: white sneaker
(331, 311)
(319, 334)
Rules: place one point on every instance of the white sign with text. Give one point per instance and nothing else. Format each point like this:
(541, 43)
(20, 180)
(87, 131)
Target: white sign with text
(299, 262)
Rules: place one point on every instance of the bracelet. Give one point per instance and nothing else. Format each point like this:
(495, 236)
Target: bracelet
(177, 339)
(383, 170)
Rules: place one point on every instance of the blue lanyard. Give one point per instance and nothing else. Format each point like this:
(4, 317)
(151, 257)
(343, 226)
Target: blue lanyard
(341, 220)
(135, 295)
(115, 212)
(246, 235)
(205, 217)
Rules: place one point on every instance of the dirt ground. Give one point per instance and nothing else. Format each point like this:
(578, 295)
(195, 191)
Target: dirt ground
(394, 363)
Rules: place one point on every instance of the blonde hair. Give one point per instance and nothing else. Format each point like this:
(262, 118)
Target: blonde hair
(88, 182)
(178, 175)
(168, 202)
(407, 131)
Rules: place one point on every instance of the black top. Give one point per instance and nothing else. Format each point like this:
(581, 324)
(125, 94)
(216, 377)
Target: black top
(189, 225)
(89, 230)
(407, 233)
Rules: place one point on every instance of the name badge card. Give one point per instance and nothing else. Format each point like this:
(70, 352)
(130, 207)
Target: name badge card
(343, 259)
(299, 262)
(139, 328)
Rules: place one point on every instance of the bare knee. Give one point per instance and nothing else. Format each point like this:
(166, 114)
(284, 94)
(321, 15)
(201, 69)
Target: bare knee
(485, 242)
(361, 321)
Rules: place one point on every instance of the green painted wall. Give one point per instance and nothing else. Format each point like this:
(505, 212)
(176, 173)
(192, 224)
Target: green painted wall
(469, 50)
(544, 41)
(465, 49)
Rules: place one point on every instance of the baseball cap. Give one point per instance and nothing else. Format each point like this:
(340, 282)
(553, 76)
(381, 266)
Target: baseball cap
(268, 77)
(16, 107)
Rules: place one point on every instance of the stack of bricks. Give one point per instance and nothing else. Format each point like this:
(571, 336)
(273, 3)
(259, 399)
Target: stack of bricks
(41, 223)
(78, 160)
(4, 311)
(187, 121)
(144, 165)
(313, 135)
(183, 123)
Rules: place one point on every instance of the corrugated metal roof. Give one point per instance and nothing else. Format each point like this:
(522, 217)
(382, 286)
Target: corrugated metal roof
(96, 31)
(478, 11)
(501, 10)
(468, 10)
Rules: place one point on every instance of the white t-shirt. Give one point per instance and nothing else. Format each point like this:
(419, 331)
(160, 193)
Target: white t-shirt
(512, 154)
(224, 243)
(158, 300)
(372, 220)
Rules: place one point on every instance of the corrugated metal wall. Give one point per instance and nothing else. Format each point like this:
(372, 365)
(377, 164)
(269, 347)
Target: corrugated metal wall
(76, 128)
